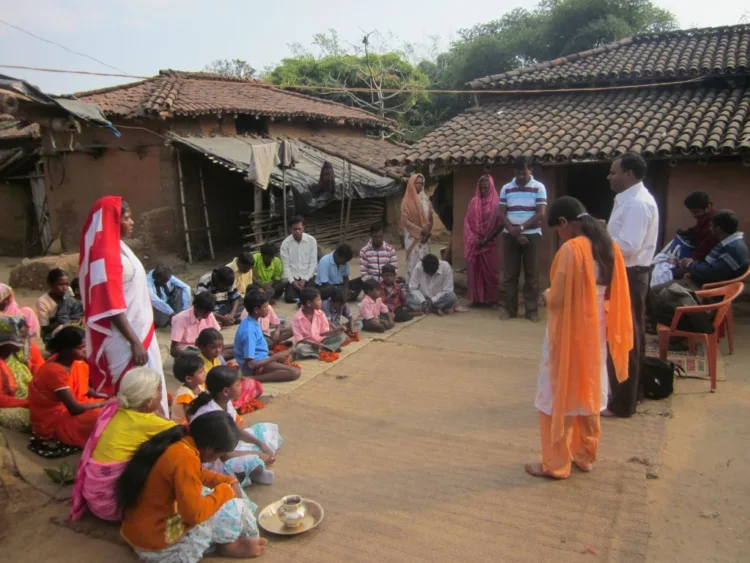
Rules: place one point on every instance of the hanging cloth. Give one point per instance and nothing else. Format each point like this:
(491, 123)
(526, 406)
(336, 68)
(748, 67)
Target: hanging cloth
(263, 159)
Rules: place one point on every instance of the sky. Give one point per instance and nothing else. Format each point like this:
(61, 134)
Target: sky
(140, 37)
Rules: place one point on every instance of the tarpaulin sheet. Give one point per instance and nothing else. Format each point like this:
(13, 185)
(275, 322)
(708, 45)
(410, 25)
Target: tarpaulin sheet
(304, 178)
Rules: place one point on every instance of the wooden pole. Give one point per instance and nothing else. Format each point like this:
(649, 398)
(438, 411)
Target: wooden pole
(343, 200)
(205, 212)
(184, 211)
(349, 205)
(257, 214)
(283, 187)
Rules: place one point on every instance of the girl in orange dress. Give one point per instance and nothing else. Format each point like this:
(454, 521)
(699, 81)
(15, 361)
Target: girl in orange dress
(62, 405)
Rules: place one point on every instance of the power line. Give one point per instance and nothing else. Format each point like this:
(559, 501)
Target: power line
(392, 90)
(27, 32)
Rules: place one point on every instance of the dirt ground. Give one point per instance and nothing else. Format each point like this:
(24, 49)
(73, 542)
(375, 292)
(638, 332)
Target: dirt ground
(415, 445)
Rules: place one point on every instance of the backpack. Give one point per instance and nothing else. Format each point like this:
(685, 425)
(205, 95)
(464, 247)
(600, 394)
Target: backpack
(673, 296)
(657, 377)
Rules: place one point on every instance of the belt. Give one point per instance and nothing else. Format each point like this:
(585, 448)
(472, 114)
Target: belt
(639, 269)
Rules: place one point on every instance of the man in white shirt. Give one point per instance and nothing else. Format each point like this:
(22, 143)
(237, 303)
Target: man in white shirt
(299, 258)
(431, 287)
(634, 226)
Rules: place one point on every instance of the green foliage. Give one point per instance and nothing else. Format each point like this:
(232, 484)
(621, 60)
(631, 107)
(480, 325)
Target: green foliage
(63, 475)
(234, 68)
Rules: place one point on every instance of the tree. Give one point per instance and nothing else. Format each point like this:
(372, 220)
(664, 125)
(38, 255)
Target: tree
(384, 82)
(234, 68)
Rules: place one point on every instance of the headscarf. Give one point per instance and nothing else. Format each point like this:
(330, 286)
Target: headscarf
(413, 217)
(13, 310)
(100, 276)
(573, 324)
(480, 220)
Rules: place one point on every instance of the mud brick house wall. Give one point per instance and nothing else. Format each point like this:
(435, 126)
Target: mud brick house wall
(686, 109)
(141, 164)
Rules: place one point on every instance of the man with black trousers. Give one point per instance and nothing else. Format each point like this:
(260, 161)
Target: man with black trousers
(634, 226)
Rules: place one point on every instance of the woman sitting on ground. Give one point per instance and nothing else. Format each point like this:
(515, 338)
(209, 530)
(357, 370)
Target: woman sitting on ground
(169, 515)
(19, 360)
(9, 308)
(123, 425)
(62, 405)
(47, 305)
(258, 443)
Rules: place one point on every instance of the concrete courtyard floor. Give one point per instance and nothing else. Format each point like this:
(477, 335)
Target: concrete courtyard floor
(415, 443)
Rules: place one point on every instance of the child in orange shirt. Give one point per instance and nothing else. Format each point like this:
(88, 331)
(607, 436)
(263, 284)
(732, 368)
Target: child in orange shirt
(191, 372)
(166, 515)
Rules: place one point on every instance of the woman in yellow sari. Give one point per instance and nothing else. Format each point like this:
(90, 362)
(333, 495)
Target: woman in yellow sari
(587, 302)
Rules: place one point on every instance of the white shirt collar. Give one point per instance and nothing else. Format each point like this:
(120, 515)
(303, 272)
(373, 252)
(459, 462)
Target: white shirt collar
(631, 192)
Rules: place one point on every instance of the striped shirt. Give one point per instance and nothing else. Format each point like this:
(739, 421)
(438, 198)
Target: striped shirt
(521, 202)
(372, 260)
(206, 283)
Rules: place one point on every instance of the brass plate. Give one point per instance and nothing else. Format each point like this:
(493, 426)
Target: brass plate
(269, 520)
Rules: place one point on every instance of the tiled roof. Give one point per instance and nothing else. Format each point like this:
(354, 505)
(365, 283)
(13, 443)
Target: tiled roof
(674, 55)
(174, 93)
(367, 152)
(553, 126)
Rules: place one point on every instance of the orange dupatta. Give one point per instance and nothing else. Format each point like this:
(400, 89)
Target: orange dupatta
(413, 217)
(573, 326)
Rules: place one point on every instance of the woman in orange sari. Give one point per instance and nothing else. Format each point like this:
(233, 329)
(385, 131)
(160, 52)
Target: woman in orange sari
(62, 405)
(587, 302)
(416, 220)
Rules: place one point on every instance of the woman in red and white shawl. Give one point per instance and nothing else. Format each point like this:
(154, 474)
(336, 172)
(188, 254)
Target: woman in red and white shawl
(416, 220)
(117, 305)
(483, 264)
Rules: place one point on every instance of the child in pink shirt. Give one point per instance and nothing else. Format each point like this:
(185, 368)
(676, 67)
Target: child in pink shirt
(311, 329)
(374, 313)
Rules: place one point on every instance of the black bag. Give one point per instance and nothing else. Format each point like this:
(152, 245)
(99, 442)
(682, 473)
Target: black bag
(657, 377)
(673, 296)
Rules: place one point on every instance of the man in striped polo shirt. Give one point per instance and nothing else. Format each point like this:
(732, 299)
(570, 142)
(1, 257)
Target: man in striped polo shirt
(376, 254)
(522, 205)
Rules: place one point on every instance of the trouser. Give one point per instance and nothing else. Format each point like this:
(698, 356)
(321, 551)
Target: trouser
(514, 255)
(174, 300)
(654, 291)
(291, 293)
(226, 308)
(275, 291)
(381, 324)
(445, 301)
(355, 288)
(579, 443)
(625, 396)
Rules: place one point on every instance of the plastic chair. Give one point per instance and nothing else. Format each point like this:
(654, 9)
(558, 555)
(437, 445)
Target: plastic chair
(727, 293)
(728, 325)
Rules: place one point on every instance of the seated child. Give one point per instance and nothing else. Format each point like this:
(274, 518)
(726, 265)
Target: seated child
(311, 328)
(251, 347)
(257, 446)
(272, 327)
(391, 291)
(336, 309)
(375, 314)
(187, 325)
(210, 344)
(190, 370)
(70, 310)
(168, 513)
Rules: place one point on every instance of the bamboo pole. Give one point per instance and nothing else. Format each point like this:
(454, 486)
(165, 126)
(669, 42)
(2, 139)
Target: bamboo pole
(184, 212)
(283, 187)
(349, 207)
(258, 211)
(205, 212)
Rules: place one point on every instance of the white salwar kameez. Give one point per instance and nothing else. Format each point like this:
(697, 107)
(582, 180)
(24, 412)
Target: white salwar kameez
(140, 315)
(420, 249)
(544, 398)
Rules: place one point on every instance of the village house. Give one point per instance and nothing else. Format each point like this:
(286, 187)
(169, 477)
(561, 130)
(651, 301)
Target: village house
(185, 138)
(681, 99)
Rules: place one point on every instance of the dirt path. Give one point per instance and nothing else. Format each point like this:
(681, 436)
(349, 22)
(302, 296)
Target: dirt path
(415, 447)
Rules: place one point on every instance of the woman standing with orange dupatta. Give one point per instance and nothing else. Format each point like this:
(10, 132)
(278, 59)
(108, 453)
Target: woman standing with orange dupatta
(587, 302)
(416, 220)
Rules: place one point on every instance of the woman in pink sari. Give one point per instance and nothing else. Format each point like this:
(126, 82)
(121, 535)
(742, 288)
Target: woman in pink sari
(9, 308)
(122, 426)
(483, 264)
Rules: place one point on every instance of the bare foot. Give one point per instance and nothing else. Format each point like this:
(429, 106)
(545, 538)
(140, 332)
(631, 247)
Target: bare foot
(243, 548)
(449, 311)
(607, 413)
(438, 312)
(584, 467)
(536, 470)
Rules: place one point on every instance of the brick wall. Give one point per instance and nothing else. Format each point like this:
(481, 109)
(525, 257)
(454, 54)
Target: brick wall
(464, 188)
(726, 182)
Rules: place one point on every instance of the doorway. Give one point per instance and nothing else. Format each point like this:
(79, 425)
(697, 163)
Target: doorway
(588, 183)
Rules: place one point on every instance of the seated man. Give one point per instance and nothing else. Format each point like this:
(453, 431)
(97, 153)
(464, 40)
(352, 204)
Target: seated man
(701, 237)
(333, 271)
(220, 284)
(186, 326)
(299, 259)
(431, 287)
(242, 266)
(169, 295)
(376, 254)
(268, 273)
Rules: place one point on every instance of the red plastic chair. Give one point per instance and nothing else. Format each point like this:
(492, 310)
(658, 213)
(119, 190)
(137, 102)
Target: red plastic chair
(727, 293)
(728, 325)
